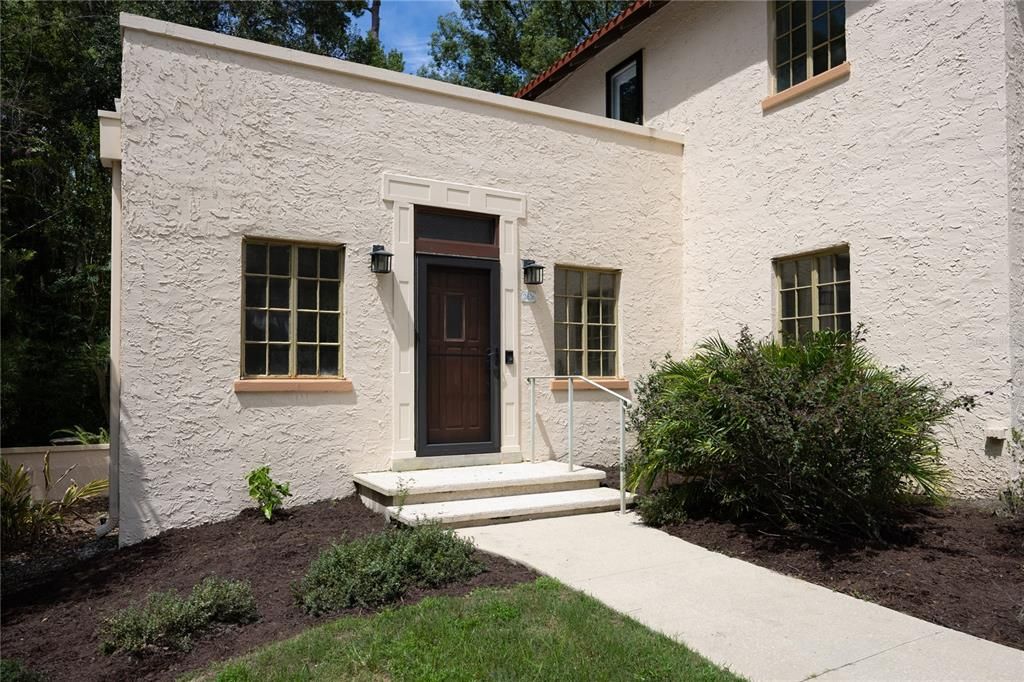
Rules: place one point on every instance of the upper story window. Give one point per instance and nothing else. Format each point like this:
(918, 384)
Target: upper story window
(291, 298)
(813, 293)
(585, 326)
(624, 87)
(810, 39)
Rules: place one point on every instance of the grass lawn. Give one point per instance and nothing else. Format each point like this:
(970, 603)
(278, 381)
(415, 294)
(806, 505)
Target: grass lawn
(534, 631)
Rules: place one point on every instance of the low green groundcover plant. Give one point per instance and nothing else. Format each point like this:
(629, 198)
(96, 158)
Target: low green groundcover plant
(168, 620)
(380, 568)
(15, 671)
(814, 435)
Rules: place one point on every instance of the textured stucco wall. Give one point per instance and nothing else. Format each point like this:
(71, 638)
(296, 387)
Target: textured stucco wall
(906, 161)
(1015, 162)
(218, 145)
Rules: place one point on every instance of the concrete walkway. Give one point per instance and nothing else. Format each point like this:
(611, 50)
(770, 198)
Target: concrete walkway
(758, 623)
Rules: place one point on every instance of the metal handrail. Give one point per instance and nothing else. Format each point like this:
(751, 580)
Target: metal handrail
(624, 402)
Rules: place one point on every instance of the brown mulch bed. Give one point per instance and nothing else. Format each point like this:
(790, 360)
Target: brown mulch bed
(25, 566)
(959, 566)
(51, 626)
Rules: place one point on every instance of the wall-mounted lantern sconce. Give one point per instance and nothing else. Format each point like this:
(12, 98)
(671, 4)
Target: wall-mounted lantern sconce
(380, 260)
(532, 272)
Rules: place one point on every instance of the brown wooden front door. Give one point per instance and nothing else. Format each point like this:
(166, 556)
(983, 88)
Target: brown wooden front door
(458, 359)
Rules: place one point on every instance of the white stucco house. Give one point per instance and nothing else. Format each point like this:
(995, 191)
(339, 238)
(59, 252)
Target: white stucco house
(689, 169)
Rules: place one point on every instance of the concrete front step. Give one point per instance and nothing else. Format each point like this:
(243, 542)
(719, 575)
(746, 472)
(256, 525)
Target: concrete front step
(392, 488)
(486, 511)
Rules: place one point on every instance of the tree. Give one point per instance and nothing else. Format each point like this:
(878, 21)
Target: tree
(499, 46)
(61, 62)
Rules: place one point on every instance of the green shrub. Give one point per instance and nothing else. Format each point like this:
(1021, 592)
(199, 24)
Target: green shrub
(167, 620)
(815, 434)
(268, 494)
(380, 568)
(663, 507)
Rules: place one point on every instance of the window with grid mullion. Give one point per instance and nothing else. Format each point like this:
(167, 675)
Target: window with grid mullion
(585, 322)
(292, 310)
(833, 292)
(810, 38)
(814, 294)
(790, 43)
(828, 35)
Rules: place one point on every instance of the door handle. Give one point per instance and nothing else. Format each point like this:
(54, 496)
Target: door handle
(492, 358)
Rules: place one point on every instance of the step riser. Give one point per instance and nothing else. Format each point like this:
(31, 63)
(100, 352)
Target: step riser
(525, 517)
(470, 523)
(472, 494)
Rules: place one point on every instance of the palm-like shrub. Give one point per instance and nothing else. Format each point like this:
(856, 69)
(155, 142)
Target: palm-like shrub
(25, 520)
(815, 434)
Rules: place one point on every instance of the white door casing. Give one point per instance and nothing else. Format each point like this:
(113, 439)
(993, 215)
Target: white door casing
(403, 193)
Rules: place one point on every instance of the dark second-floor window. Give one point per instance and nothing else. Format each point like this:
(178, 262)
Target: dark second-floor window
(810, 39)
(624, 87)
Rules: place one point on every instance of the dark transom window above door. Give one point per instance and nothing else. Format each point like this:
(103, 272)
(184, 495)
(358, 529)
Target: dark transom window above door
(456, 233)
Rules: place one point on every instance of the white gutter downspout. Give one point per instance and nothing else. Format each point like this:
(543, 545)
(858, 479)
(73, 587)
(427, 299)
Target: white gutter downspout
(110, 156)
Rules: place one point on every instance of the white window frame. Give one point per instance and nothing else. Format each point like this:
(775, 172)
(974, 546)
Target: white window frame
(613, 104)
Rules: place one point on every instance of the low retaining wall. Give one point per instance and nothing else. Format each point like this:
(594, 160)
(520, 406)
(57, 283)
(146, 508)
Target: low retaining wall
(90, 462)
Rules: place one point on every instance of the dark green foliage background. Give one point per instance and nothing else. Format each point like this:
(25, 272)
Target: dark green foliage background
(61, 62)
(498, 46)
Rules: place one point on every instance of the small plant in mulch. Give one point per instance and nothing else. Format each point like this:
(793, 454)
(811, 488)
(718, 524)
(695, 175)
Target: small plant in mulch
(380, 568)
(166, 620)
(1011, 498)
(813, 435)
(268, 494)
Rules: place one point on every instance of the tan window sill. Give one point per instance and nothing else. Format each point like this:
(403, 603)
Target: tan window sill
(801, 89)
(577, 385)
(293, 385)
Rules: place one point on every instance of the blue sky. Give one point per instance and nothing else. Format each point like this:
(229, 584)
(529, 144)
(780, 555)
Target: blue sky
(406, 25)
